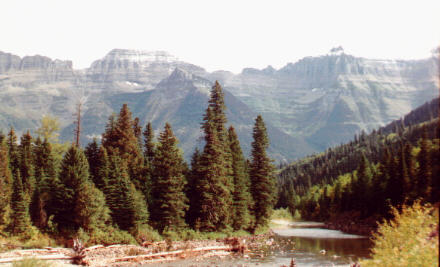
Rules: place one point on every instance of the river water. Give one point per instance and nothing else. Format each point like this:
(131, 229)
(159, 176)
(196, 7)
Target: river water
(307, 242)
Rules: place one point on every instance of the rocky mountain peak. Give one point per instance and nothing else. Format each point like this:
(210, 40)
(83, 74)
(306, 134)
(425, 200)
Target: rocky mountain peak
(140, 56)
(10, 62)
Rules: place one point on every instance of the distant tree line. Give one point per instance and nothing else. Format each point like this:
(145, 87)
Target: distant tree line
(130, 183)
(394, 165)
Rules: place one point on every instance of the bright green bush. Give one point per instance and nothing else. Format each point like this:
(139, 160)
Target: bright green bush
(282, 214)
(408, 240)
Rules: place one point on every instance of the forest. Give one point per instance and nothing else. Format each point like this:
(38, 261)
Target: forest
(392, 166)
(131, 186)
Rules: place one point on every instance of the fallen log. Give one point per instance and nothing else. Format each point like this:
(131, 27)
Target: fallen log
(45, 257)
(174, 253)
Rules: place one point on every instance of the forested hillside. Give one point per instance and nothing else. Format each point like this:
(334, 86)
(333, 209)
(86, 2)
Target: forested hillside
(395, 164)
(131, 187)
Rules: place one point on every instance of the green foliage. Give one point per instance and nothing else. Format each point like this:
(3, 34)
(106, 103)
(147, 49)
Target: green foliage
(263, 183)
(214, 186)
(92, 152)
(169, 199)
(241, 196)
(282, 214)
(5, 186)
(120, 140)
(20, 220)
(127, 205)
(26, 166)
(91, 211)
(49, 129)
(410, 239)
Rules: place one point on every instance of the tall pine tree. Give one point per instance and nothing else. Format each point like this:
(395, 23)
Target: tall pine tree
(241, 195)
(20, 220)
(120, 139)
(5, 185)
(263, 183)
(170, 202)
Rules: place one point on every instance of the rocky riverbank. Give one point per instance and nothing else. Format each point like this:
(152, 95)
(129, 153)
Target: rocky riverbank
(130, 255)
(349, 223)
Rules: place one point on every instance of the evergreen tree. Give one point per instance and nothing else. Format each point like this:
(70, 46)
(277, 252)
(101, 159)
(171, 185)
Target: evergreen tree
(14, 159)
(137, 129)
(5, 185)
(149, 144)
(26, 164)
(120, 139)
(191, 191)
(74, 194)
(170, 202)
(127, 206)
(41, 205)
(361, 187)
(20, 221)
(216, 184)
(149, 152)
(92, 152)
(403, 176)
(263, 184)
(213, 187)
(103, 169)
(241, 195)
(424, 174)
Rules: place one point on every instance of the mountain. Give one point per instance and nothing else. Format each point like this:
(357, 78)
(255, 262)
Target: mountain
(328, 99)
(308, 105)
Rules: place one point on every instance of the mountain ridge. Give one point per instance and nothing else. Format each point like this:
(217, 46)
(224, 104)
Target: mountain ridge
(317, 101)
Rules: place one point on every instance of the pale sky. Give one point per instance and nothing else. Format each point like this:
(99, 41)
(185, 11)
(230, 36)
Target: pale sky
(228, 35)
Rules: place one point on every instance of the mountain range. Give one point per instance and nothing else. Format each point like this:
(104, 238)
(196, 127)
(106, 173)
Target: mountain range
(308, 106)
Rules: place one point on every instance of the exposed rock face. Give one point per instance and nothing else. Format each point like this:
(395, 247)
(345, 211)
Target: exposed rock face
(328, 99)
(312, 104)
(131, 70)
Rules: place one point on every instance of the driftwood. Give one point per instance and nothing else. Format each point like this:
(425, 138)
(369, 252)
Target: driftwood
(45, 257)
(174, 253)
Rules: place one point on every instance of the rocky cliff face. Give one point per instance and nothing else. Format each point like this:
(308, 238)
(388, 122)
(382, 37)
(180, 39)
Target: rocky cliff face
(328, 99)
(308, 105)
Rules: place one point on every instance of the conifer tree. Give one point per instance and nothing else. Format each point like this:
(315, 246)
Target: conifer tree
(26, 164)
(424, 173)
(137, 129)
(41, 205)
(72, 202)
(103, 169)
(92, 153)
(20, 221)
(263, 183)
(149, 152)
(120, 139)
(241, 195)
(14, 159)
(170, 202)
(127, 206)
(216, 185)
(5, 185)
(148, 143)
(403, 176)
(191, 191)
(213, 187)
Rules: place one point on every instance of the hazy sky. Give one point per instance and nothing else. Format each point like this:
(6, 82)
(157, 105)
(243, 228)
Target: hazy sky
(221, 34)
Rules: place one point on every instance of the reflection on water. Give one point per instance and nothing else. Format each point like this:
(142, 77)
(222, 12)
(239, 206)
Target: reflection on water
(309, 246)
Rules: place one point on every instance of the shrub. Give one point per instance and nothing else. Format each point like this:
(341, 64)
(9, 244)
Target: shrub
(282, 214)
(410, 239)
(146, 233)
(110, 236)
